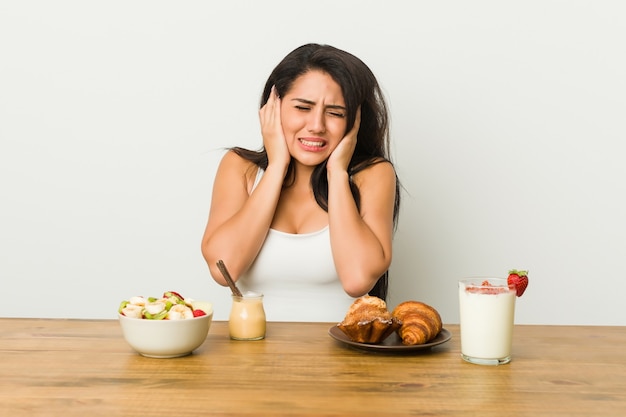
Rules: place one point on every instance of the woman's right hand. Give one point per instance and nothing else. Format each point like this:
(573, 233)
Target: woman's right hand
(272, 131)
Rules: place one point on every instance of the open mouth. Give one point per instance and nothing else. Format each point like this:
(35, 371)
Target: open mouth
(312, 144)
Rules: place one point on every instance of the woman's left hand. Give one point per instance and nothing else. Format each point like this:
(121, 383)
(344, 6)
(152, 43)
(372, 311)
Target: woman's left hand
(340, 158)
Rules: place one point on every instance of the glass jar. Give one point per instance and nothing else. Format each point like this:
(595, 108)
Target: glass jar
(247, 317)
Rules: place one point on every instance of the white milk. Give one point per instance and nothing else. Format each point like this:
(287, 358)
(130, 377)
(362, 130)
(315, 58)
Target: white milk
(486, 323)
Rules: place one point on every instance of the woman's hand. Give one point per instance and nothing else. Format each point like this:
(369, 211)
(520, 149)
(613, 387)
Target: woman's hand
(272, 131)
(341, 156)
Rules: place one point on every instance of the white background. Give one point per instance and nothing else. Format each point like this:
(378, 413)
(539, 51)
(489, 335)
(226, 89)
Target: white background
(508, 125)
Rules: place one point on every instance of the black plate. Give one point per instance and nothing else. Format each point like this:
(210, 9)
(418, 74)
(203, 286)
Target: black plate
(390, 344)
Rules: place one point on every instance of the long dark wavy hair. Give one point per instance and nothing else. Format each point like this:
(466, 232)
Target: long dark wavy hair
(359, 88)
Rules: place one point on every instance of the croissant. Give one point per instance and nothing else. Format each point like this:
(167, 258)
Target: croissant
(420, 322)
(368, 320)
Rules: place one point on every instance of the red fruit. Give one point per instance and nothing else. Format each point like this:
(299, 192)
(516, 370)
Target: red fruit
(199, 313)
(485, 288)
(518, 280)
(168, 294)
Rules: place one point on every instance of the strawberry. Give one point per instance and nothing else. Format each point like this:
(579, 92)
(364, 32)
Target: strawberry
(198, 313)
(518, 280)
(168, 294)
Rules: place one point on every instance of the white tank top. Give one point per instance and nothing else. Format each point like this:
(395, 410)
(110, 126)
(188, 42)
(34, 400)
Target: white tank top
(297, 276)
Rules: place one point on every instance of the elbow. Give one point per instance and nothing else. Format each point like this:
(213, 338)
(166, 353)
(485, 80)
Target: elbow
(354, 293)
(206, 254)
(212, 264)
(356, 286)
(357, 283)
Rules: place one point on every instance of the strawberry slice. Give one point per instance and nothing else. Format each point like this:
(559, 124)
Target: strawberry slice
(518, 280)
(167, 294)
(173, 294)
(199, 313)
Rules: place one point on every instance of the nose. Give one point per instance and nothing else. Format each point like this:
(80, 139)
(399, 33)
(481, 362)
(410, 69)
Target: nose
(316, 122)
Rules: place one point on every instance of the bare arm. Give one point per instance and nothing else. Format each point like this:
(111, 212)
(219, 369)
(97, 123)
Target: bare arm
(361, 240)
(238, 220)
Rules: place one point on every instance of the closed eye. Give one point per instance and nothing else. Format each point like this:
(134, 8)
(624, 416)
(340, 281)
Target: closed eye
(307, 105)
(333, 113)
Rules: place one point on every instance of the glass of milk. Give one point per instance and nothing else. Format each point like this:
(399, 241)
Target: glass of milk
(487, 310)
(247, 317)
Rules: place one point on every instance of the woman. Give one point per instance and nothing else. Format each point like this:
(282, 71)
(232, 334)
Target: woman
(308, 220)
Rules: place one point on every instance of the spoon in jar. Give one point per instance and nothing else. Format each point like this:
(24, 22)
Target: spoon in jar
(229, 280)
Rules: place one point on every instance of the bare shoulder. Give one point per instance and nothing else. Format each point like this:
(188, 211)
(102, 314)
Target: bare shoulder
(380, 174)
(233, 160)
(233, 166)
(377, 188)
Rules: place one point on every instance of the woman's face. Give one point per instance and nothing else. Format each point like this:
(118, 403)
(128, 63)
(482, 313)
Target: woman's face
(313, 116)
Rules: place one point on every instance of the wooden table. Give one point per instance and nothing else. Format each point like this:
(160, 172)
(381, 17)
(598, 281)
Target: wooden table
(85, 368)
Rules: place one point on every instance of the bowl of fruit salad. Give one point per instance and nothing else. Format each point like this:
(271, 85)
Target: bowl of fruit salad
(169, 326)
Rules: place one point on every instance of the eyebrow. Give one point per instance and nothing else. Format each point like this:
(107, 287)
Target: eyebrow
(312, 103)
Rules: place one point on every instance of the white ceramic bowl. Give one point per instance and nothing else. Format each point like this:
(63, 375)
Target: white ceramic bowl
(166, 338)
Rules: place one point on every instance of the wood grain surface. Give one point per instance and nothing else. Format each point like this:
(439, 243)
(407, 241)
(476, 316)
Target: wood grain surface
(85, 368)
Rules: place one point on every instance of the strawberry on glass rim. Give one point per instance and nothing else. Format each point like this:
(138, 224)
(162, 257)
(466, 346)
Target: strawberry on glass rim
(518, 280)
